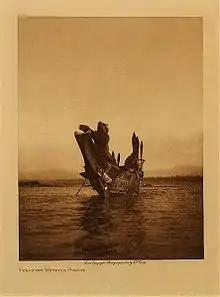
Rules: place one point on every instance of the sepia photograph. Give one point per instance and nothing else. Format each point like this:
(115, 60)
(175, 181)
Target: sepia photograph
(110, 138)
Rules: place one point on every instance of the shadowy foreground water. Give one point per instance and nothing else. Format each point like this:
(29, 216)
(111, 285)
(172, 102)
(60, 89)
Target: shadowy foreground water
(164, 222)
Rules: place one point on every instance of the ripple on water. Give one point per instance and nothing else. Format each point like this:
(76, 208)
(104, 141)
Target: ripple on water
(163, 222)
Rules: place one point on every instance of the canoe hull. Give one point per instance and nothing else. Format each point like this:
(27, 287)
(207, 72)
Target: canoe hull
(105, 178)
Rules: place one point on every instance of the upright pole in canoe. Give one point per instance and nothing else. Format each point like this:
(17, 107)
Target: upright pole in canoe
(141, 150)
(118, 159)
(133, 142)
(137, 145)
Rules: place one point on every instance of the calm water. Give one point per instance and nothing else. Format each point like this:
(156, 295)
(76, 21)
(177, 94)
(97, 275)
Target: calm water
(164, 222)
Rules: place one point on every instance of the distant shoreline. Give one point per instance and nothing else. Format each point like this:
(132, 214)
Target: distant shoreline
(77, 181)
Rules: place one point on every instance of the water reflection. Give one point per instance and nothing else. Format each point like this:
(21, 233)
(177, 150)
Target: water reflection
(95, 222)
(163, 222)
(113, 229)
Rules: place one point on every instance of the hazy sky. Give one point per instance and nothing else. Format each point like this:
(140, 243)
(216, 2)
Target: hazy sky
(136, 74)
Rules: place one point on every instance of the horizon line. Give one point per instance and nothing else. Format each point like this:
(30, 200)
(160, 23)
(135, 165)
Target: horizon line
(80, 178)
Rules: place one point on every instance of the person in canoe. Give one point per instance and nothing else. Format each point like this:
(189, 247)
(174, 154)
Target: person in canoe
(131, 161)
(101, 139)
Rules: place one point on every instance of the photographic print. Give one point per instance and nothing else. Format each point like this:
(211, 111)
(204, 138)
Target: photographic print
(110, 138)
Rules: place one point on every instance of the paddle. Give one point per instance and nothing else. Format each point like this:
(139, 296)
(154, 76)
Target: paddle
(81, 186)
